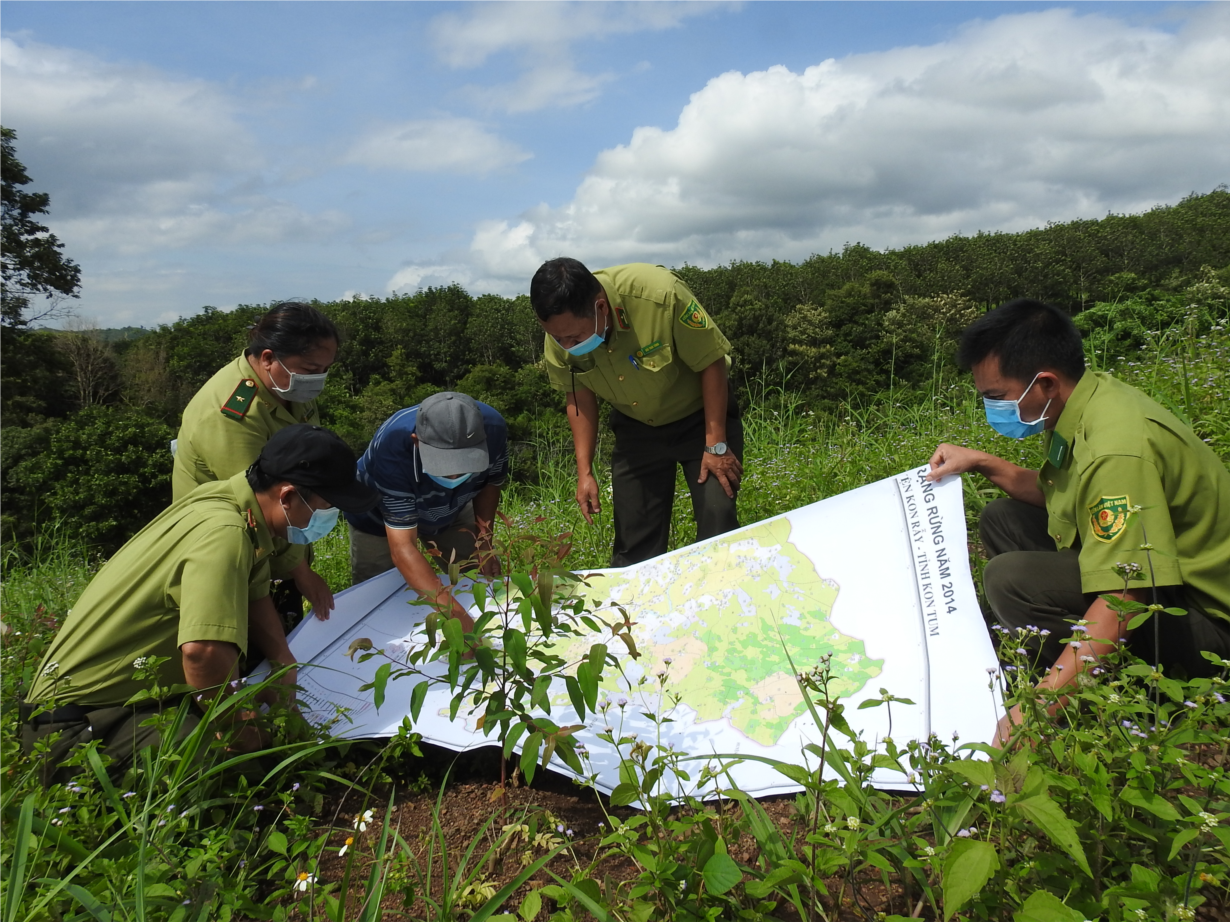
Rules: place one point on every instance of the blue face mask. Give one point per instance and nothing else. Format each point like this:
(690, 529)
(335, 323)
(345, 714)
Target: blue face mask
(1004, 416)
(450, 483)
(319, 525)
(588, 345)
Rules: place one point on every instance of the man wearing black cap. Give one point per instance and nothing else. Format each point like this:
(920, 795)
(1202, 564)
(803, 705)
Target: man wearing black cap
(438, 468)
(192, 586)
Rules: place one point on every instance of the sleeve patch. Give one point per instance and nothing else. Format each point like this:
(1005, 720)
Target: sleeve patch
(240, 402)
(1108, 517)
(694, 316)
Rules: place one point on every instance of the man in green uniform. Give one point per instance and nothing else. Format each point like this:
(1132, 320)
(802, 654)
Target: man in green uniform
(635, 336)
(1125, 486)
(184, 588)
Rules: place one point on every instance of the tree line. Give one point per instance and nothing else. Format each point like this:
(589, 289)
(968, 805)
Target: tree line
(88, 414)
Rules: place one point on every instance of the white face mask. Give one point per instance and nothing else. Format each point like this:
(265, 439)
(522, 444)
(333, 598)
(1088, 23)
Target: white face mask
(301, 388)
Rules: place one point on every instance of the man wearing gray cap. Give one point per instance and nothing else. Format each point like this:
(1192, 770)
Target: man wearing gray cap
(438, 469)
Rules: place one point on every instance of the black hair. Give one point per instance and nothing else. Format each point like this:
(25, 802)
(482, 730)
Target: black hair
(1027, 337)
(291, 328)
(563, 284)
(260, 481)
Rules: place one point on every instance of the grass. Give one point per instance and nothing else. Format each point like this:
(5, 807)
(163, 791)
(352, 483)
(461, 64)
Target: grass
(245, 864)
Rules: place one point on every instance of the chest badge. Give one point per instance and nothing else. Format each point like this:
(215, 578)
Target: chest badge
(1108, 517)
(1059, 450)
(621, 318)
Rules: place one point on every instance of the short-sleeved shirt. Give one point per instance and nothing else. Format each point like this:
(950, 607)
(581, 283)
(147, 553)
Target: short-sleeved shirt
(408, 497)
(1114, 449)
(224, 427)
(189, 575)
(649, 368)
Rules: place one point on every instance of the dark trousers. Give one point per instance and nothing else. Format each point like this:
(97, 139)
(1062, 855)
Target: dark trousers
(643, 482)
(1028, 582)
(119, 729)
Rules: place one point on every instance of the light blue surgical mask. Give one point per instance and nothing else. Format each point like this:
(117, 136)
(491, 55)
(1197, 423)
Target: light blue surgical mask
(1004, 416)
(319, 525)
(450, 483)
(588, 345)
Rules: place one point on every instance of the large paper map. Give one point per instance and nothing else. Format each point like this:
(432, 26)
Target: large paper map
(876, 578)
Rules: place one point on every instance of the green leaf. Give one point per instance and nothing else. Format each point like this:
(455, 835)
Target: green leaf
(514, 646)
(870, 703)
(975, 771)
(540, 694)
(1047, 816)
(721, 873)
(1046, 907)
(16, 876)
(529, 755)
(514, 734)
(454, 634)
(89, 902)
(1182, 839)
(380, 683)
(417, 697)
(624, 794)
(530, 906)
(1139, 620)
(968, 867)
(589, 685)
(1147, 800)
(276, 842)
(597, 658)
(575, 696)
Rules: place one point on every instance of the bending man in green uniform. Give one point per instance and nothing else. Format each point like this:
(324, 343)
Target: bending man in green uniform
(1121, 472)
(183, 588)
(635, 336)
(273, 384)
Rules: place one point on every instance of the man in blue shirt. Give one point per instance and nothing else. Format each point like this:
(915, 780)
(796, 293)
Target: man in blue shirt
(438, 469)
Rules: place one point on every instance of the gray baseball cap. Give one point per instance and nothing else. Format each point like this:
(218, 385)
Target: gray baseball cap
(452, 438)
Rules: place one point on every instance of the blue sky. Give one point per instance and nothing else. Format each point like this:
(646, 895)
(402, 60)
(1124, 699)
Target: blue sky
(224, 153)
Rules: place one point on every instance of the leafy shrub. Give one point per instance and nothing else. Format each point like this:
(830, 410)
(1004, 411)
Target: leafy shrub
(103, 472)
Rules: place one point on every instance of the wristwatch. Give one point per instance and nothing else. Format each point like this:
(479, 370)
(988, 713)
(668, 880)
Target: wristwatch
(718, 449)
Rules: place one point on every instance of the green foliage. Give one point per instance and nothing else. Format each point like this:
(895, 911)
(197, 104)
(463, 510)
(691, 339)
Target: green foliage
(104, 474)
(31, 262)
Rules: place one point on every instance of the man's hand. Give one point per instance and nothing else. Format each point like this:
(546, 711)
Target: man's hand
(726, 468)
(489, 563)
(315, 590)
(587, 496)
(954, 459)
(285, 694)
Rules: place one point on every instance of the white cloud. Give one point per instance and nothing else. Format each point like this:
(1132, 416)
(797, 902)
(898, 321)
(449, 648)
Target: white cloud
(542, 36)
(1014, 122)
(439, 145)
(138, 160)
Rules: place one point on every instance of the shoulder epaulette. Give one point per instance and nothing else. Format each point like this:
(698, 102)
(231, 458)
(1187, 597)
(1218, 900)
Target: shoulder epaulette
(240, 402)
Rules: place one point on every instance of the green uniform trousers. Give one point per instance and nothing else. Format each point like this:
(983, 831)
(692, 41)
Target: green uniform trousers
(1028, 582)
(119, 729)
(643, 482)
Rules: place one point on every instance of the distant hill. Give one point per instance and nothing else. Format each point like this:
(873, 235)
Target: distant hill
(113, 334)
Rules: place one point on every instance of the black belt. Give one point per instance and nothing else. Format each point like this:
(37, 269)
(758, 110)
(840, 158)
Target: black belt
(64, 714)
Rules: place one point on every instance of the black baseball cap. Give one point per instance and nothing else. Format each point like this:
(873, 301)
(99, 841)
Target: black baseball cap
(452, 437)
(317, 459)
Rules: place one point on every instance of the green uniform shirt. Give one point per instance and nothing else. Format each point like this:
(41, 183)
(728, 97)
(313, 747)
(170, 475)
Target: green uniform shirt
(186, 576)
(1113, 448)
(224, 428)
(649, 368)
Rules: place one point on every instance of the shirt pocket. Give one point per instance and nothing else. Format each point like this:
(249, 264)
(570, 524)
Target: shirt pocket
(1063, 530)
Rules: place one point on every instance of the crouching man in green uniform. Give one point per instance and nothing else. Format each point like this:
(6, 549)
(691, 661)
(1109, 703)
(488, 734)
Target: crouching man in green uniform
(635, 336)
(184, 588)
(1124, 483)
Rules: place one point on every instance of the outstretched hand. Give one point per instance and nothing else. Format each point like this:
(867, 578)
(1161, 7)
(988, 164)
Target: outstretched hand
(954, 459)
(587, 497)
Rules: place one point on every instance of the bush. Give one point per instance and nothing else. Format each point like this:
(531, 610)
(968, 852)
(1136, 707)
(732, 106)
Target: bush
(103, 472)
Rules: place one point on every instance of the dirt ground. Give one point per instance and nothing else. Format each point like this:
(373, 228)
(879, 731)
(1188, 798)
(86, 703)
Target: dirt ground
(471, 799)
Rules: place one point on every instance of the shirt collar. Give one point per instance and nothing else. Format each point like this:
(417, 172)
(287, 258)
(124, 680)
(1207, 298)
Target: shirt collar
(1069, 419)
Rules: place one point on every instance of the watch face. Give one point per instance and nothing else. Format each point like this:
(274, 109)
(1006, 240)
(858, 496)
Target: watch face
(718, 449)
